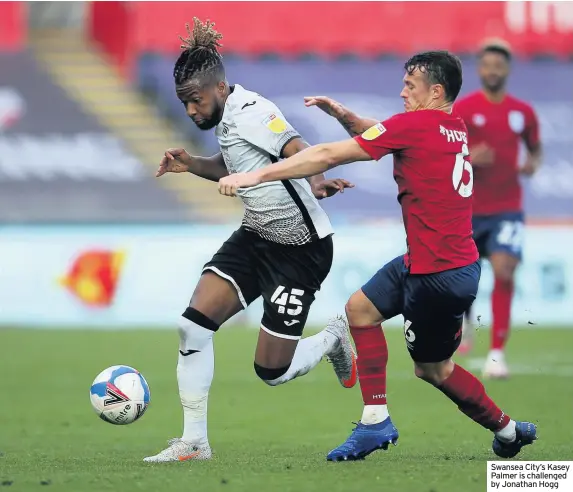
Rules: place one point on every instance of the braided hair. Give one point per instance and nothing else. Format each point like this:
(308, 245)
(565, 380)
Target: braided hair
(200, 57)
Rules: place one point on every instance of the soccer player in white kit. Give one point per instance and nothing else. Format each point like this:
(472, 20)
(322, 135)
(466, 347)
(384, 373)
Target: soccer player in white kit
(282, 251)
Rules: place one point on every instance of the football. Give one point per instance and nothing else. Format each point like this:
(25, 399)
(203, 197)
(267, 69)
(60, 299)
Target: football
(120, 395)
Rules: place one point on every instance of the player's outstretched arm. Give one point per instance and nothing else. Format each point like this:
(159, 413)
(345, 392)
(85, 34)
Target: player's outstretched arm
(312, 161)
(179, 161)
(321, 187)
(355, 125)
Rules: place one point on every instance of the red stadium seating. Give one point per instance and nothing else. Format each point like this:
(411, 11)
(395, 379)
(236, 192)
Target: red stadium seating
(366, 29)
(13, 25)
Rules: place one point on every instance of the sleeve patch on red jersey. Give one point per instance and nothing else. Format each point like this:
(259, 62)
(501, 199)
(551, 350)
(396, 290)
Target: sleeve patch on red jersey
(374, 132)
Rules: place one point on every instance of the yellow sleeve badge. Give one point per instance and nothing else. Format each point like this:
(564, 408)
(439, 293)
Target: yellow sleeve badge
(374, 132)
(275, 124)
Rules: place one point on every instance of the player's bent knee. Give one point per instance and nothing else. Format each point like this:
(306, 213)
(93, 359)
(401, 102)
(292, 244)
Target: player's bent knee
(195, 330)
(434, 373)
(272, 377)
(360, 311)
(505, 275)
(504, 267)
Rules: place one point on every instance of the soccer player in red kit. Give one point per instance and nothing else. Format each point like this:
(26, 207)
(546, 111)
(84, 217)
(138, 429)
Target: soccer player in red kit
(497, 124)
(436, 281)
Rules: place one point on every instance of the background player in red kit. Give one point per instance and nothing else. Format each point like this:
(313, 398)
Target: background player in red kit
(497, 124)
(437, 280)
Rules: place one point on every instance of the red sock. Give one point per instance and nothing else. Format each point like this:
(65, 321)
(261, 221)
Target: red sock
(372, 358)
(467, 392)
(501, 310)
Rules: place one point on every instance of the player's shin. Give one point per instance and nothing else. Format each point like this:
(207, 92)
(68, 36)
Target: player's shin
(195, 370)
(372, 359)
(469, 394)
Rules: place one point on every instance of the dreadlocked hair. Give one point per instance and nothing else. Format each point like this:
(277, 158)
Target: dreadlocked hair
(200, 56)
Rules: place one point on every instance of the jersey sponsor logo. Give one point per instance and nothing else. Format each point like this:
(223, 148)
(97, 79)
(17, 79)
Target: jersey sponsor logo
(478, 119)
(374, 132)
(275, 124)
(516, 121)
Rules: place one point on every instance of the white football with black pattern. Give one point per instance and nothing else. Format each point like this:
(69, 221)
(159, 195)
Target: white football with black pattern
(120, 395)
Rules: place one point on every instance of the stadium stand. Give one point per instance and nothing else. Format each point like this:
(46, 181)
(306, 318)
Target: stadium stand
(97, 81)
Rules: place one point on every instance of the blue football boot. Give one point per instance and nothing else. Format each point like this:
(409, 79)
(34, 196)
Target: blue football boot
(364, 440)
(525, 433)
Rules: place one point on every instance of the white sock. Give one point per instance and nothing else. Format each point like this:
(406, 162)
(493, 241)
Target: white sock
(496, 355)
(374, 414)
(507, 434)
(194, 376)
(308, 353)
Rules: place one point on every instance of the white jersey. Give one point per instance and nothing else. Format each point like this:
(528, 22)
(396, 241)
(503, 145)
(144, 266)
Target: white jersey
(252, 135)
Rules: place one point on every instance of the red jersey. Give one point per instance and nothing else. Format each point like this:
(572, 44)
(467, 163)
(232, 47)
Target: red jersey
(435, 185)
(501, 126)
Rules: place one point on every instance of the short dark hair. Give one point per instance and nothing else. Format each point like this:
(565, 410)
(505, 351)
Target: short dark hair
(440, 67)
(200, 57)
(496, 48)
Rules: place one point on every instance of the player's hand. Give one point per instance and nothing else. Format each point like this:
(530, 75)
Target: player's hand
(328, 105)
(482, 155)
(229, 185)
(330, 187)
(529, 168)
(174, 161)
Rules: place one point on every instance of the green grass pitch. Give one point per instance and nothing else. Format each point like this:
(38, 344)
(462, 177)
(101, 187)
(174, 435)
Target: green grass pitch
(274, 439)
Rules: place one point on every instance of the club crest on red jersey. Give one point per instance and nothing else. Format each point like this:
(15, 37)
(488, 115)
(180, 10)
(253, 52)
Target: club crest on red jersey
(516, 121)
(478, 119)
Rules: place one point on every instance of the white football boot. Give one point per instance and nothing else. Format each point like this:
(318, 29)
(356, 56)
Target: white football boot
(495, 366)
(342, 357)
(179, 450)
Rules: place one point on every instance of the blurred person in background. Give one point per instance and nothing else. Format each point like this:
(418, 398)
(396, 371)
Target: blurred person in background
(282, 251)
(497, 123)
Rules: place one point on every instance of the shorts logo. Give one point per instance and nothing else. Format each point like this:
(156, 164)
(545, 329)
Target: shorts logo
(275, 124)
(409, 334)
(374, 132)
(292, 322)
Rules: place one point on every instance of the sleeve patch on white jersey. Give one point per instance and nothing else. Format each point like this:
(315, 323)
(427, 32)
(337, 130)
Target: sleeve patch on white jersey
(374, 132)
(275, 124)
